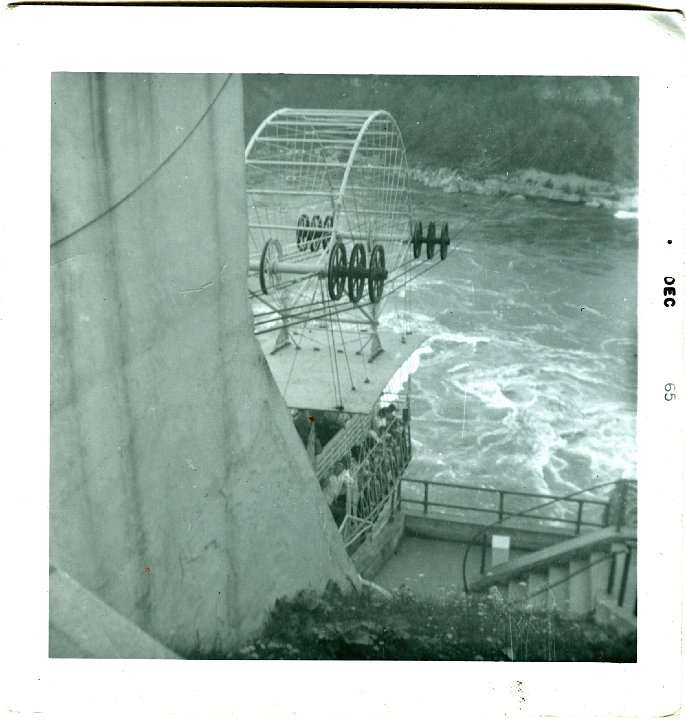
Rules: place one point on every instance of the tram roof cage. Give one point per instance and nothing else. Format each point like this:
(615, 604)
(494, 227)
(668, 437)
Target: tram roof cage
(343, 170)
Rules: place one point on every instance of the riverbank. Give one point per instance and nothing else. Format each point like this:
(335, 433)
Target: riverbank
(533, 184)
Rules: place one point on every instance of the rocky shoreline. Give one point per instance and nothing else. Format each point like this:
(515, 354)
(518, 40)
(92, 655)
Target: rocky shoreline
(523, 184)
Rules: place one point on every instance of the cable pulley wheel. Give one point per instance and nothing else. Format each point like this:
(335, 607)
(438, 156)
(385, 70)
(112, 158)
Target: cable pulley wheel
(357, 272)
(444, 241)
(377, 273)
(271, 254)
(316, 233)
(301, 235)
(338, 270)
(417, 239)
(431, 240)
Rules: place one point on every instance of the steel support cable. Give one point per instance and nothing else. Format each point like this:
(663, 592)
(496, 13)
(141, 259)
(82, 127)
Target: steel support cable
(277, 290)
(300, 321)
(295, 354)
(493, 208)
(346, 307)
(332, 352)
(335, 354)
(361, 353)
(276, 314)
(267, 317)
(302, 312)
(510, 516)
(264, 316)
(319, 305)
(285, 284)
(411, 261)
(414, 271)
(152, 174)
(345, 351)
(258, 295)
(333, 377)
(265, 300)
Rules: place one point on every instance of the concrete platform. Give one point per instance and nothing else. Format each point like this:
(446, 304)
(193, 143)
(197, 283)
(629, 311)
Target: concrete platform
(428, 567)
(304, 376)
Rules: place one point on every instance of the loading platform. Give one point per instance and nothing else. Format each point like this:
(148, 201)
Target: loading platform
(578, 562)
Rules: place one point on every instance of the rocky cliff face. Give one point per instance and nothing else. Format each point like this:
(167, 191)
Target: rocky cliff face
(180, 492)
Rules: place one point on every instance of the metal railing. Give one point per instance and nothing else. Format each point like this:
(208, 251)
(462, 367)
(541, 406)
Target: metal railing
(502, 508)
(378, 474)
(617, 513)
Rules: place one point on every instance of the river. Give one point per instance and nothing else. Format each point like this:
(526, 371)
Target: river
(528, 377)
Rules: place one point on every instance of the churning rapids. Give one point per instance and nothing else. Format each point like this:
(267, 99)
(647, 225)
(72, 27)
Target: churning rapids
(528, 378)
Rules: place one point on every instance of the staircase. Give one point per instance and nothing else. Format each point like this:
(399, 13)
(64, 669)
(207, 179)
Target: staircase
(594, 573)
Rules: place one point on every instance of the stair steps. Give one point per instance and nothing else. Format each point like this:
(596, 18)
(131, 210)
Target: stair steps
(595, 573)
(562, 552)
(558, 594)
(516, 591)
(580, 602)
(536, 591)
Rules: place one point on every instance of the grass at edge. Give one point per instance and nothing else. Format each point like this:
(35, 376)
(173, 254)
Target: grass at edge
(367, 626)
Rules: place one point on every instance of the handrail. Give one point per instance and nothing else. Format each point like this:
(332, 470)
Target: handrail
(578, 521)
(389, 456)
(558, 553)
(483, 531)
(613, 555)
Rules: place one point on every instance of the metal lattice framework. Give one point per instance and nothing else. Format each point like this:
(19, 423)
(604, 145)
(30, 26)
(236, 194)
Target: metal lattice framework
(329, 213)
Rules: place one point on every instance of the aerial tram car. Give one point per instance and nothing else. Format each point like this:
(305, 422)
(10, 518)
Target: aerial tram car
(332, 254)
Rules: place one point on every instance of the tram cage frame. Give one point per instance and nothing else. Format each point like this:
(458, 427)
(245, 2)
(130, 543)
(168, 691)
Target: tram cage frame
(345, 169)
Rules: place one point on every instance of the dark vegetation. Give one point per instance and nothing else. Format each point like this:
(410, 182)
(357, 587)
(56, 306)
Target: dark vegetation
(368, 626)
(482, 124)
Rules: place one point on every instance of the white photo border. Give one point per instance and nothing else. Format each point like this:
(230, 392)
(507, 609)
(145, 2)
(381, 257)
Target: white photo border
(39, 40)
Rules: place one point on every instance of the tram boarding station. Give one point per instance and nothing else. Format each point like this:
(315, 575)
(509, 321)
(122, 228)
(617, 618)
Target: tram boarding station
(360, 449)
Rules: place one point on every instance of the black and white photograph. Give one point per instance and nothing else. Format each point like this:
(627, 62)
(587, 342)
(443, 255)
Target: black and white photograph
(347, 366)
(419, 391)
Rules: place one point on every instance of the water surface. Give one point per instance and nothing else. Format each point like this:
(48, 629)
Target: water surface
(528, 378)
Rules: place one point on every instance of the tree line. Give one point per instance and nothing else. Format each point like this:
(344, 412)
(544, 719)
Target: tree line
(481, 125)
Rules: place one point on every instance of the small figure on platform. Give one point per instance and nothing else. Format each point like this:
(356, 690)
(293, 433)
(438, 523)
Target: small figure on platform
(338, 481)
(333, 483)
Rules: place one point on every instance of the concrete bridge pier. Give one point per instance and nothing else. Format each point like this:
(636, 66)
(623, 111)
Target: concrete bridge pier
(180, 493)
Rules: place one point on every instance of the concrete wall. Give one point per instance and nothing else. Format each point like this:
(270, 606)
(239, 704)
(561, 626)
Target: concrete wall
(180, 492)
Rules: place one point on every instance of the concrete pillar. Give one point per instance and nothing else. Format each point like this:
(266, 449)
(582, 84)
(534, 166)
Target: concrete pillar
(181, 494)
